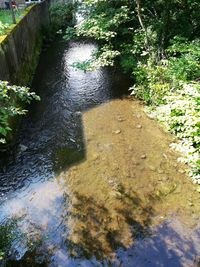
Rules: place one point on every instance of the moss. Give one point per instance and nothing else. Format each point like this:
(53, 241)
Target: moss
(2, 38)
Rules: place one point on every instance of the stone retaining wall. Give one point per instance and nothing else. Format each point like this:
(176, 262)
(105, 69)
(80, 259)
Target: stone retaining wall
(20, 49)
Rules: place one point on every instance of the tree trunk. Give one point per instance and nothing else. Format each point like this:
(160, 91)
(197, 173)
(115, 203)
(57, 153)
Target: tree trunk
(139, 15)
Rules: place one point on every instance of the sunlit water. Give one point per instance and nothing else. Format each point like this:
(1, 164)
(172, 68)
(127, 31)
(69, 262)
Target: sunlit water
(92, 181)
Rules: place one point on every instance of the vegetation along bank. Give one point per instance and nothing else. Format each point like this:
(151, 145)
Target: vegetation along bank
(157, 43)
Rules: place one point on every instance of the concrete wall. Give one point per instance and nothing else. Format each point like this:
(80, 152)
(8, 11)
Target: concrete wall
(20, 49)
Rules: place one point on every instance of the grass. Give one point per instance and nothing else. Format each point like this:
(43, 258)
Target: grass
(6, 19)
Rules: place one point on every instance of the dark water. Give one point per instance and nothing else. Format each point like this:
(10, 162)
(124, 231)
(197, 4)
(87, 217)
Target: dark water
(54, 126)
(76, 191)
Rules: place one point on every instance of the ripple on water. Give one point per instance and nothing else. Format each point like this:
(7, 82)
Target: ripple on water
(92, 188)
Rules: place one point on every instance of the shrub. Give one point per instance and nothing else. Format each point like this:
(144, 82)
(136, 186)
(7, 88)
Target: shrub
(61, 15)
(180, 114)
(3, 28)
(11, 100)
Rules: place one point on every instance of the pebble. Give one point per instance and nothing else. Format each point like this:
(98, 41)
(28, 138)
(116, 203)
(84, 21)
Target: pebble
(117, 131)
(181, 171)
(134, 162)
(118, 194)
(120, 119)
(130, 148)
(143, 156)
(152, 168)
(111, 182)
(138, 116)
(139, 126)
(160, 171)
(191, 204)
(95, 157)
(23, 148)
(165, 156)
(165, 178)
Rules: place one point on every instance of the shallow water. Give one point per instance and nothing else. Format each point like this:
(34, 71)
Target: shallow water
(92, 181)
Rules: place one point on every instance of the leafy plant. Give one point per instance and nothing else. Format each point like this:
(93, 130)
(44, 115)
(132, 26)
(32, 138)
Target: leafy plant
(12, 98)
(3, 28)
(180, 114)
(61, 15)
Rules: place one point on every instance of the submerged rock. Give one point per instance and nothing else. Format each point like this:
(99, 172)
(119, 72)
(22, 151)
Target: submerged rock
(22, 148)
(143, 156)
(166, 189)
(117, 131)
(120, 119)
(138, 126)
(152, 168)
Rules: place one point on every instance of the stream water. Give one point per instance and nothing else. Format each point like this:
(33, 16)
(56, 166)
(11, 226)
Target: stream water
(92, 181)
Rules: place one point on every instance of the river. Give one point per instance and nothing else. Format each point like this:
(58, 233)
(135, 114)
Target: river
(92, 180)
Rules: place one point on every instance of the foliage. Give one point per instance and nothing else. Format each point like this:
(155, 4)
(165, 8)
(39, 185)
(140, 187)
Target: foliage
(180, 113)
(3, 28)
(6, 19)
(11, 100)
(105, 58)
(156, 78)
(184, 59)
(157, 43)
(61, 15)
(167, 85)
(106, 27)
(70, 34)
(6, 237)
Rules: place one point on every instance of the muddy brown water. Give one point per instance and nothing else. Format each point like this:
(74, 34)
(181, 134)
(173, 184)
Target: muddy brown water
(93, 181)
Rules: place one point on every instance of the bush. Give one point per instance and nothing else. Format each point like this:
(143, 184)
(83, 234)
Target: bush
(169, 86)
(61, 15)
(3, 28)
(180, 114)
(11, 100)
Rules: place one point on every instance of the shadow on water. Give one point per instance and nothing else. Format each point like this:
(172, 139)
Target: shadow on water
(99, 231)
(52, 133)
(63, 227)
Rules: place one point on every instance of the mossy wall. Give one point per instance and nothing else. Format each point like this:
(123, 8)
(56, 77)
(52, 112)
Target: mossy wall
(20, 49)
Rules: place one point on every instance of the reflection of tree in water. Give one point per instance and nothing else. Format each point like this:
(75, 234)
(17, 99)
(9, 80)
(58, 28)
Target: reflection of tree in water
(6, 237)
(10, 234)
(98, 230)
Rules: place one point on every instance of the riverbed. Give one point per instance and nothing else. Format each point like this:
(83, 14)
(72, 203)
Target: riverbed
(92, 180)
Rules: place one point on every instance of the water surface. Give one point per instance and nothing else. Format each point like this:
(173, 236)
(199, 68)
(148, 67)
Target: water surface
(92, 181)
